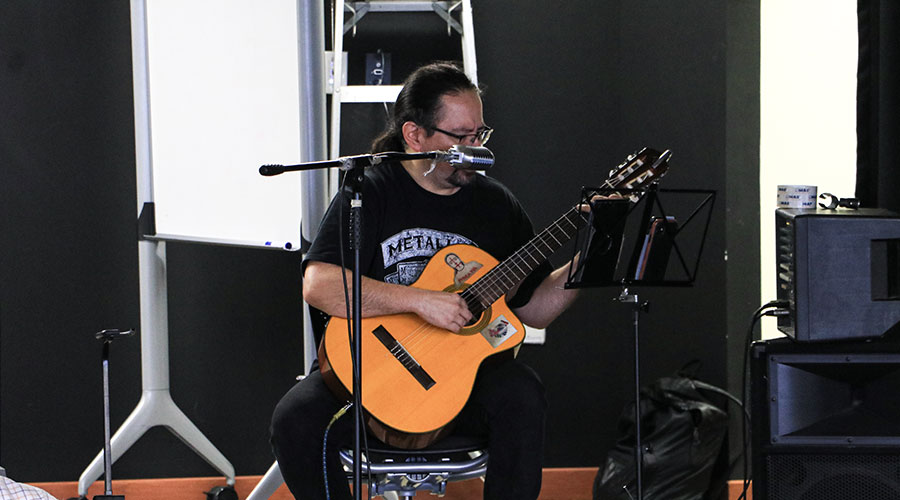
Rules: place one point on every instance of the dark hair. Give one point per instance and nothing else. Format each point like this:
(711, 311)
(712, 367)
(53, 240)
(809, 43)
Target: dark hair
(419, 101)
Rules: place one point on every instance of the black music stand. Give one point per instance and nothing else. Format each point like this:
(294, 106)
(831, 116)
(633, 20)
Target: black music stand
(637, 241)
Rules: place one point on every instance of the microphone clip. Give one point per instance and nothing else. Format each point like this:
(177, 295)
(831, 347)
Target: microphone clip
(470, 157)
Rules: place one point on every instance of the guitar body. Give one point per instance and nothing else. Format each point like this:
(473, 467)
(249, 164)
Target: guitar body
(417, 377)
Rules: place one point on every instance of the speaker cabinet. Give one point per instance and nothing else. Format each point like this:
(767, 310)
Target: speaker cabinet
(826, 420)
(839, 271)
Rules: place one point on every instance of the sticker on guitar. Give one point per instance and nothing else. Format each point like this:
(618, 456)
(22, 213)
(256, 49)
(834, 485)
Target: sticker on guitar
(462, 271)
(498, 331)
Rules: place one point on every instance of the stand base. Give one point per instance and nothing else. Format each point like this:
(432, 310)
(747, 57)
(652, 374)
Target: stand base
(156, 408)
(109, 497)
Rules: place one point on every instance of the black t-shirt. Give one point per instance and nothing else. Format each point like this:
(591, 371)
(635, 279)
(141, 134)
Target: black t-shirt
(404, 225)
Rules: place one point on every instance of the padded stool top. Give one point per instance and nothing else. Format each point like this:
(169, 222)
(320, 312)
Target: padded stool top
(454, 443)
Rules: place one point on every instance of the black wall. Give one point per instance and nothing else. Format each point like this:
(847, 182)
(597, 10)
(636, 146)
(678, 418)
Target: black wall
(572, 88)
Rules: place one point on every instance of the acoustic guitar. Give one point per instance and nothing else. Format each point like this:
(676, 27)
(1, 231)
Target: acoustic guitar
(417, 377)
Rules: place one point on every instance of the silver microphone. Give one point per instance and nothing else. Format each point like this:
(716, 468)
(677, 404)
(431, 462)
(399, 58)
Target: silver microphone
(470, 157)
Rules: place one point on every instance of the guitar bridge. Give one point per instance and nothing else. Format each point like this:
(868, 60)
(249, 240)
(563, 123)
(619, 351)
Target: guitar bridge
(404, 357)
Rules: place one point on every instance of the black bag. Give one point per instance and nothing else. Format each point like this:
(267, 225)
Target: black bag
(682, 434)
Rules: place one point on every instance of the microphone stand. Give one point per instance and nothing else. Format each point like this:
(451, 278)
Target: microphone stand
(353, 183)
(355, 168)
(463, 157)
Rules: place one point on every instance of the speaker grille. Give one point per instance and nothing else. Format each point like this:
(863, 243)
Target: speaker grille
(833, 477)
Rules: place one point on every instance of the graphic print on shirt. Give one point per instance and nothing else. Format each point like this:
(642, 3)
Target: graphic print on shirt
(410, 250)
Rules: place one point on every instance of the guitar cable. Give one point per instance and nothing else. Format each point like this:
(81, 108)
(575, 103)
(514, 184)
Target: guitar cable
(334, 419)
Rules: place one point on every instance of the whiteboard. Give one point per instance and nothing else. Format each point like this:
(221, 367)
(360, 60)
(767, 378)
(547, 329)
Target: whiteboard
(224, 99)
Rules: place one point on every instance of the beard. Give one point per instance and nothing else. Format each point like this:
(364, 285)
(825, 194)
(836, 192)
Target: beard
(460, 178)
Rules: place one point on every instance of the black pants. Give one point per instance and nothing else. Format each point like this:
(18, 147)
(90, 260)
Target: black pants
(508, 406)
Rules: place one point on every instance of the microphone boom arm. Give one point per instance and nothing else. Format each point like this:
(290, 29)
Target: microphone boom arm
(466, 157)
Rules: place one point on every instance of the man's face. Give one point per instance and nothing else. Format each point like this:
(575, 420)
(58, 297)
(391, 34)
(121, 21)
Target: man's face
(460, 114)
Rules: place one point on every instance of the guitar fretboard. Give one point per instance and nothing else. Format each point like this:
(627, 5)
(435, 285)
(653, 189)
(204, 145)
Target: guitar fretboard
(519, 265)
(638, 170)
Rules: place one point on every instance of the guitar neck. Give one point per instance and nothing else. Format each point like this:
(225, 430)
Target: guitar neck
(519, 265)
(638, 170)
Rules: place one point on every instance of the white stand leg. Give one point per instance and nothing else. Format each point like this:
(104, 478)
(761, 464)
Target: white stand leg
(156, 408)
(268, 484)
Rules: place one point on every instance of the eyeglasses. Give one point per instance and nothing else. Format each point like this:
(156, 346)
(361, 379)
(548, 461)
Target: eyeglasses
(481, 135)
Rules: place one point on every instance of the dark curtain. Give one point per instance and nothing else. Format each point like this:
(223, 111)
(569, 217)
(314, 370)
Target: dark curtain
(878, 109)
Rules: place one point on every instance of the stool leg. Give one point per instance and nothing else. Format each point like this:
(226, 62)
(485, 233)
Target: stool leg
(268, 484)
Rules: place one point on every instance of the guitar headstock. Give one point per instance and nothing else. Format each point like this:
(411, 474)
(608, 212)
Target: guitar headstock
(639, 170)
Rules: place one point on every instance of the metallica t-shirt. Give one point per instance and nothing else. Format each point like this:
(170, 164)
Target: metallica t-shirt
(404, 225)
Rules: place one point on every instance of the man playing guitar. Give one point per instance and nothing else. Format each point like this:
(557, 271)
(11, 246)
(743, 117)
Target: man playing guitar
(412, 210)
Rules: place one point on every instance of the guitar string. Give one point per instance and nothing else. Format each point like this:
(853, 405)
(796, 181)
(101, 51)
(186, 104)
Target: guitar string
(415, 339)
(412, 338)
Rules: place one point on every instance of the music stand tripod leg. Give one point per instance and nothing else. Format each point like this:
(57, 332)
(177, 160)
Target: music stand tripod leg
(637, 306)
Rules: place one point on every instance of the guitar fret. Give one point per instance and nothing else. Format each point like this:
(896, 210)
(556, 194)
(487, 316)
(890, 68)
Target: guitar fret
(515, 277)
(501, 277)
(494, 295)
(520, 269)
(536, 261)
(547, 247)
(556, 240)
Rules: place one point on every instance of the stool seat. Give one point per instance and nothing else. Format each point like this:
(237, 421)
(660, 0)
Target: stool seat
(390, 469)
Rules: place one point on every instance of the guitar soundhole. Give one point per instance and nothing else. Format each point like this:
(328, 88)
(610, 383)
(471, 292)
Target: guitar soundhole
(478, 323)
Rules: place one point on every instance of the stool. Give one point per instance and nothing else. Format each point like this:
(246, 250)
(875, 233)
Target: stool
(395, 471)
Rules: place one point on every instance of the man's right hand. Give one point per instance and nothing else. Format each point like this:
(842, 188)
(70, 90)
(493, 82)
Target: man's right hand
(323, 289)
(443, 309)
